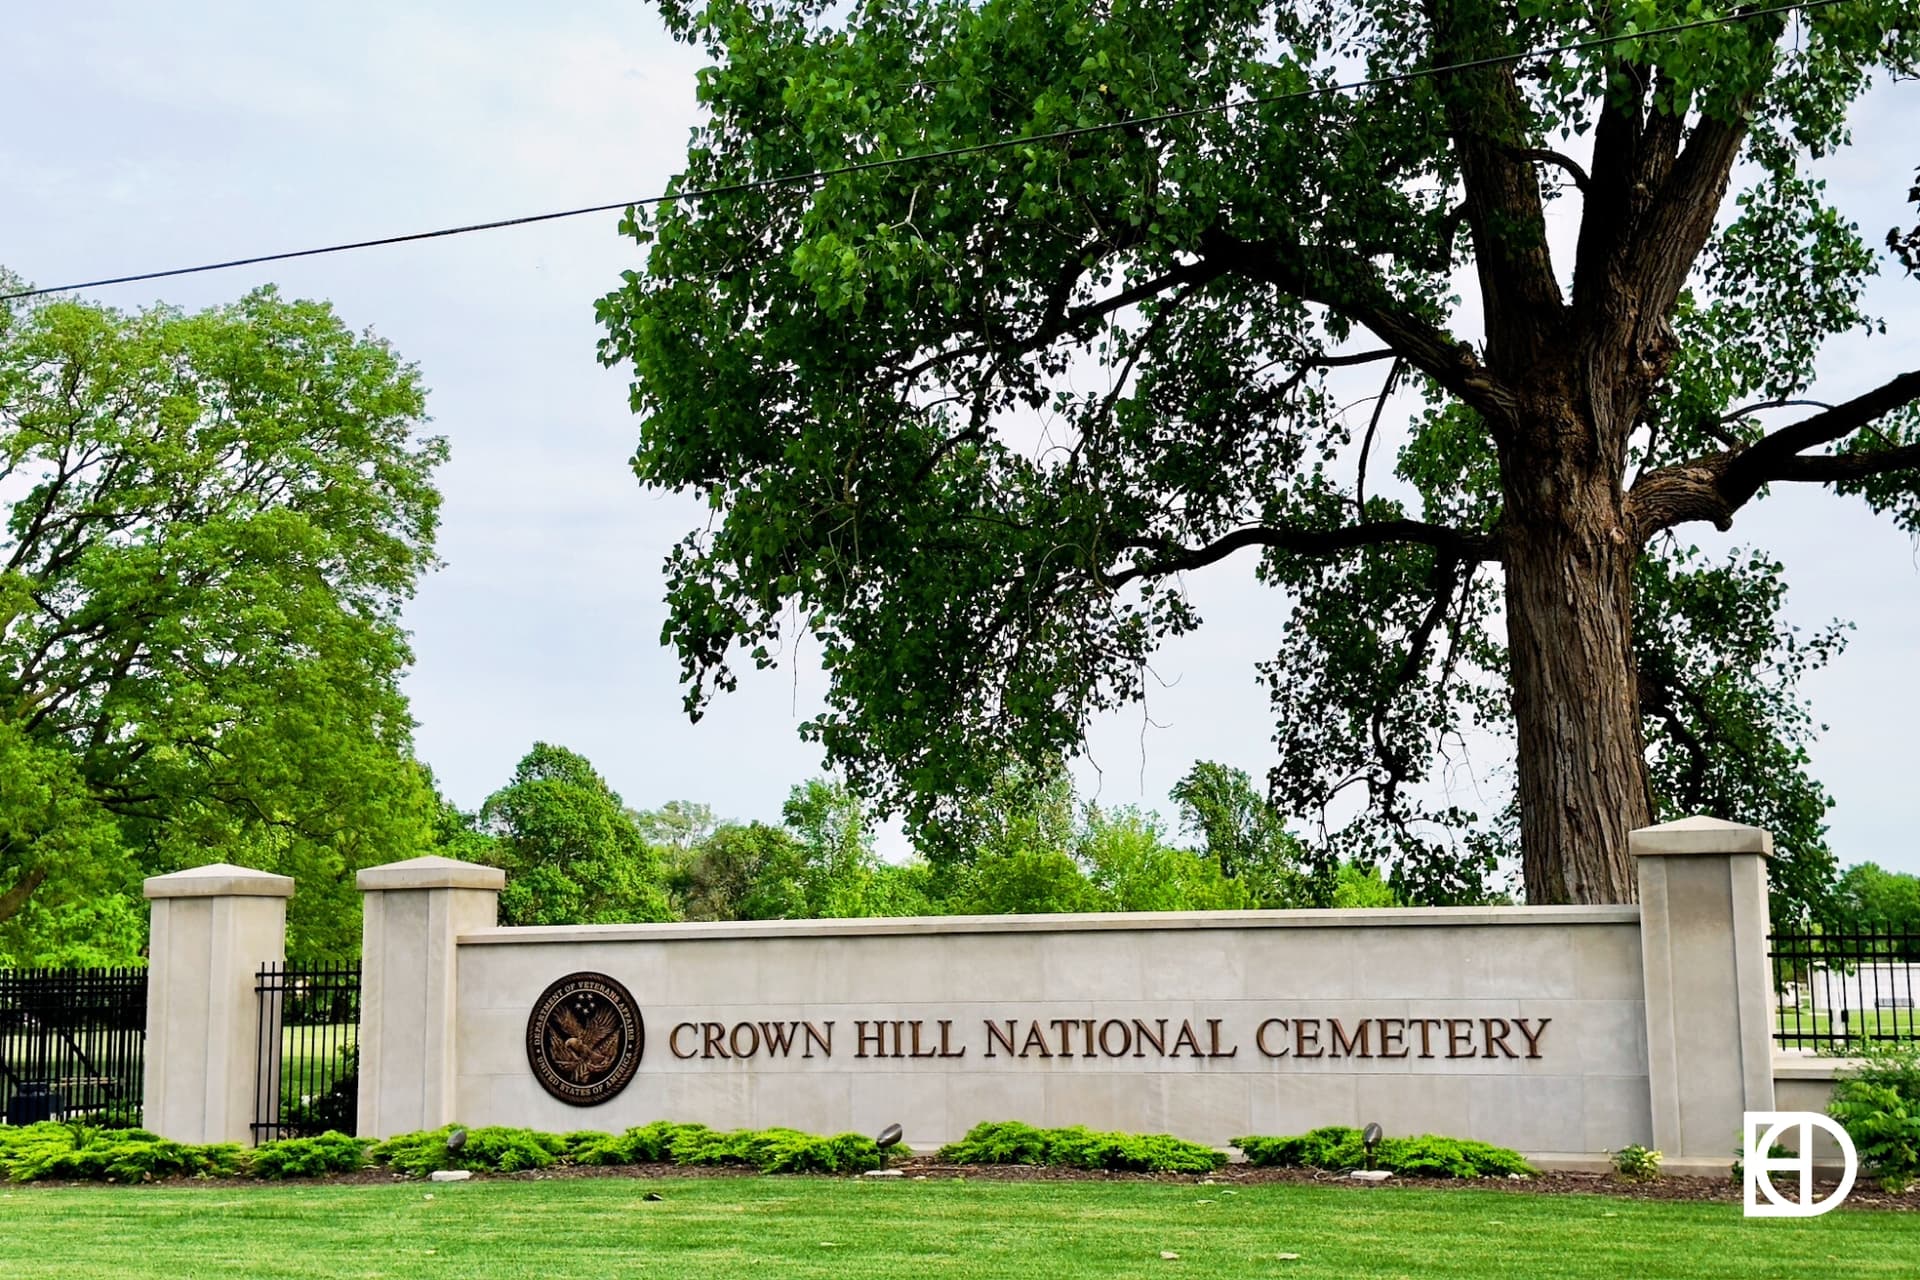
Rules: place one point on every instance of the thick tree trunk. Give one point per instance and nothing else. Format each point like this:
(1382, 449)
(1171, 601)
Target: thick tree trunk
(1582, 758)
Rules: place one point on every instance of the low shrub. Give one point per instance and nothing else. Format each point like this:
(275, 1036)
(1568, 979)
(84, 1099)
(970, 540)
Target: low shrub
(778, 1150)
(1878, 1105)
(1340, 1147)
(85, 1153)
(494, 1149)
(1335, 1146)
(647, 1144)
(1636, 1163)
(330, 1152)
(503, 1150)
(1428, 1156)
(1011, 1142)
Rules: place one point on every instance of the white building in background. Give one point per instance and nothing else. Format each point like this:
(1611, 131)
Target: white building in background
(1890, 984)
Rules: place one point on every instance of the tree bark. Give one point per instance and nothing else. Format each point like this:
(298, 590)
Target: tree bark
(1582, 759)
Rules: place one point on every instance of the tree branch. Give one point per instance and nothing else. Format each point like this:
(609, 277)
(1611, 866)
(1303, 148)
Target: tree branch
(1168, 556)
(1350, 285)
(1547, 155)
(1713, 487)
(15, 898)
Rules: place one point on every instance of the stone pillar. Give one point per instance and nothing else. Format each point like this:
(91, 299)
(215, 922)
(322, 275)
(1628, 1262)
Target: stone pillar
(212, 929)
(413, 915)
(1703, 944)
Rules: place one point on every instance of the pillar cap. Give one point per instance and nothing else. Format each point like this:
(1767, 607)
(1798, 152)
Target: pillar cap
(218, 880)
(431, 872)
(1698, 835)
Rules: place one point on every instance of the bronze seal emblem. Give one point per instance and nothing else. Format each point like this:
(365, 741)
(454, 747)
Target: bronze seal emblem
(584, 1039)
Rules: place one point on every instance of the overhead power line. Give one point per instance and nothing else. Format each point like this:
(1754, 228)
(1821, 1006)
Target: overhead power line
(950, 153)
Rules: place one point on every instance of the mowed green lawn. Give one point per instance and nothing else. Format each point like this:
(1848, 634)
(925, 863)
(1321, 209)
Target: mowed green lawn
(778, 1227)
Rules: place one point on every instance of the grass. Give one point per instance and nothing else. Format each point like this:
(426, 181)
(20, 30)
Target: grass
(1903, 1024)
(715, 1227)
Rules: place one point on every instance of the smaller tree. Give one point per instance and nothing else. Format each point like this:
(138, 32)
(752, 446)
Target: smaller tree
(677, 825)
(1869, 895)
(571, 850)
(1247, 838)
(1136, 870)
(750, 872)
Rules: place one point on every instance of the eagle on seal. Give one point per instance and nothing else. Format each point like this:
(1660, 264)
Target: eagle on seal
(584, 1052)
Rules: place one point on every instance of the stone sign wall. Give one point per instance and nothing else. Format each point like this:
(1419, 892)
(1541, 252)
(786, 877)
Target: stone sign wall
(1564, 1032)
(1526, 1027)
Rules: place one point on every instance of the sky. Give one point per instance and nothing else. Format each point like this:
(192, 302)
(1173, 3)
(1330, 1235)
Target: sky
(144, 137)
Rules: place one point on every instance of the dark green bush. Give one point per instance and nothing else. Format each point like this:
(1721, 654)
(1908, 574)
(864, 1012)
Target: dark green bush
(999, 1142)
(778, 1150)
(1428, 1156)
(85, 1153)
(1332, 1147)
(1878, 1105)
(647, 1144)
(1011, 1142)
(330, 1152)
(1339, 1147)
(336, 1108)
(494, 1149)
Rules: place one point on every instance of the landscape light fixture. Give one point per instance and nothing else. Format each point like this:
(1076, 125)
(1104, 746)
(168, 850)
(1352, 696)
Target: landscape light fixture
(1370, 1138)
(889, 1136)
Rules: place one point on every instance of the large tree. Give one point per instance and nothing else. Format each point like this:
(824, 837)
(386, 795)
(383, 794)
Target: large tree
(970, 419)
(212, 521)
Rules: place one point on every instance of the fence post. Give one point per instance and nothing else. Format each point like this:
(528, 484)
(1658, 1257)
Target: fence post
(212, 929)
(412, 917)
(1703, 946)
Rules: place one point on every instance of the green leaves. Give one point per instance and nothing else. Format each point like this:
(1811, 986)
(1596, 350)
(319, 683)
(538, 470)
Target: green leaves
(212, 523)
(572, 852)
(969, 420)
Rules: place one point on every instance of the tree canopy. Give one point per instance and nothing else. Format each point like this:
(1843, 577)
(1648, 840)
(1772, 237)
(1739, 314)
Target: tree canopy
(572, 852)
(971, 420)
(212, 521)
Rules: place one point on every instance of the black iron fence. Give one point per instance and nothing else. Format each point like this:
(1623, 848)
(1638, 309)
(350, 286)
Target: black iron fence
(308, 1080)
(1838, 989)
(72, 1044)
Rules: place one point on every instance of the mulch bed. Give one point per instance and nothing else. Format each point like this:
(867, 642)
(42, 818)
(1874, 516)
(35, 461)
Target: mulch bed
(1865, 1194)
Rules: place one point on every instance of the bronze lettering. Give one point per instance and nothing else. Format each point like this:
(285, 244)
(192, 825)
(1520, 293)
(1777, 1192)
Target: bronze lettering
(1189, 1039)
(1345, 1044)
(946, 1041)
(1392, 1032)
(1063, 1026)
(1260, 1037)
(1426, 1034)
(824, 1041)
(673, 1040)
(861, 1038)
(1457, 1038)
(1126, 1038)
(1086, 1026)
(930, 1052)
(1143, 1037)
(1003, 1038)
(1497, 1037)
(1213, 1038)
(1533, 1037)
(778, 1037)
(899, 1047)
(714, 1034)
(753, 1040)
(1035, 1038)
(1302, 1037)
